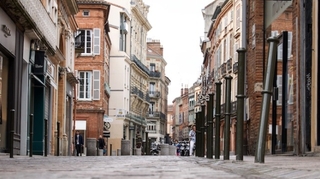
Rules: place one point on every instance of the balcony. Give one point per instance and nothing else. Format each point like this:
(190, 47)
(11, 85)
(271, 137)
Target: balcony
(229, 65)
(223, 69)
(140, 64)
(157, 114)
(107, 89)
(155, 74)
(136, 91)
(234, 108)
(138, 119)
(235, 68)
(154, 94)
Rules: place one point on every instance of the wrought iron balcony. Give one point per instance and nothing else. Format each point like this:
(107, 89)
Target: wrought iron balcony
(136, 91)
(154, 94)
(234, 108)
(223, 69)
(229, 65)
(235, 67)
(137, 118)
(155, 74)
(140, 64)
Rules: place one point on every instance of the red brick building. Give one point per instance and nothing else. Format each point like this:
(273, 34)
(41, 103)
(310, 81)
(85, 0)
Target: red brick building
(92, 67)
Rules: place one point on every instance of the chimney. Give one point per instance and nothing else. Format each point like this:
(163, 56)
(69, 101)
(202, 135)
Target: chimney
(181, 89)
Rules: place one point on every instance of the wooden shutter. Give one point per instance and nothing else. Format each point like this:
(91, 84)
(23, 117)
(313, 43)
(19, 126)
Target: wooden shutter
(96, 41)
(96, 85)
(279, 85)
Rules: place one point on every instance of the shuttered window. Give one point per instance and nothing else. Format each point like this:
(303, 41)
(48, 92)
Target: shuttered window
(279, 85)
(84, 85)
(96, 41)
(96, 85)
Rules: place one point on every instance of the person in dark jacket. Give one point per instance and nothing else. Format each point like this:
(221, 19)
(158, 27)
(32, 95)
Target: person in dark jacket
(101, 143)
(78, 141)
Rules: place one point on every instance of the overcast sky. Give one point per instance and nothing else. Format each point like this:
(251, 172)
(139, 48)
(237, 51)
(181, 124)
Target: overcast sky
(178, 24)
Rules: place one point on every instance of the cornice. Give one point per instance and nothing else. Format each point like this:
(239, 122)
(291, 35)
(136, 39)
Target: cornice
(144, 21)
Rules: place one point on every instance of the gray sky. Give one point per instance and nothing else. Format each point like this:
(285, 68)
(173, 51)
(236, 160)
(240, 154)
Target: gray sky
(178, 24)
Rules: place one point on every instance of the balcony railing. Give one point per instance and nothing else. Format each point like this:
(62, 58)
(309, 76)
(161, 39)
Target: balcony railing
(140, 64)
(154, 94)
(229, 65)
(155, 74)
(136, 118)
(235, 67)
(136, 91)
(234, 108)
(223, 69)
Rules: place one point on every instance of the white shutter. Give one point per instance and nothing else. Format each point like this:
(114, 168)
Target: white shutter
(236, 46)
(279, 85)
(96, 41)
(279, 52)
(77, 85)
(96, 85)
(289, 45)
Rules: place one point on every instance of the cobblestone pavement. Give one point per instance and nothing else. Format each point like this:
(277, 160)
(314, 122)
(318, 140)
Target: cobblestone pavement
(156, 167)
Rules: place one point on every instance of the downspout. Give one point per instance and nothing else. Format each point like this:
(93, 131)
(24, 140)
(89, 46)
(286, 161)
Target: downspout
(302, 75)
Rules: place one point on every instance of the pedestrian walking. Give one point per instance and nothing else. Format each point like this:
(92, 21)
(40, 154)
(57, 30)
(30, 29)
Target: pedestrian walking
(102, 144)
(192, 139)
(79, 143)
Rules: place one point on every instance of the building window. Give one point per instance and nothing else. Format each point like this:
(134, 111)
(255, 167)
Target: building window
(123, 32)
(89, 41)
(89, 86)
(151, 108)
(151, 126)
(85, 13)
(152, 88)
(85, 86)
(238, 17)
(152, 67)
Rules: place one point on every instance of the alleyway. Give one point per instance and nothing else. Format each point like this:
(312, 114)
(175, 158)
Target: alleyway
(155, 167)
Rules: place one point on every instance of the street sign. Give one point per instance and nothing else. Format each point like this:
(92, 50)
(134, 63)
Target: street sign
(106, 134)
(107, 125)
(107, 118)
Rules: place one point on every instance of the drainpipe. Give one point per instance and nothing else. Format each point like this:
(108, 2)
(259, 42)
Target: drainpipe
(302, 75)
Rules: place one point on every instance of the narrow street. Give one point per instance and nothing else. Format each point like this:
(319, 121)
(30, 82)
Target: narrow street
(155, 167)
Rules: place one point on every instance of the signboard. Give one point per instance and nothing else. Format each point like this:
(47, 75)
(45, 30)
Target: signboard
(274, 9)
(106, 118)
(121, 113)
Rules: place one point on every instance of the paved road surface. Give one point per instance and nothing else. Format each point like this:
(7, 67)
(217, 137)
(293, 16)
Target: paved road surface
(157, 167)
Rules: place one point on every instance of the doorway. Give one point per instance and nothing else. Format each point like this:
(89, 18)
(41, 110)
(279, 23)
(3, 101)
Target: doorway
(3, 103)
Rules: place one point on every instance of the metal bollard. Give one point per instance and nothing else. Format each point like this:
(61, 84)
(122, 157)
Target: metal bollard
(12, 133)
(202, 130)
(58, 138)
(240, 103)
(218, 116)
(210, 126)
(266, 96)
(45, 137)
(197, 133)
(31, 136)
(227, 113)
(110, 149)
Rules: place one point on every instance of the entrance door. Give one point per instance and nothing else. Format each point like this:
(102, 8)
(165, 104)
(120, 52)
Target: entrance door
(3, 102)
